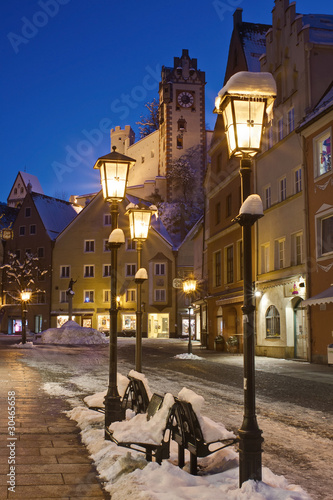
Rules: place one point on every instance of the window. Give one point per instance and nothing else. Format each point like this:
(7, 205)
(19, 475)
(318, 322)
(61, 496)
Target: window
(40, 252)
(217, 213)
(264, 258)
(131, 295)
(297, 248)
(283, 189)
(28, 251)
(180, 141)
(291, 120)
(142, 159)
(159, 269)
(130, 244)
(217, 268)
(160, 295)
(18, 254)
(89, 296)
(107, 219)
(106, 270)
(280, 253)
(28, 212)
(39, 298)
(240, 268)
(33, 229)
(280, 129)
(272, 322)
(322, 154)
(229, 256)
(182, 124)
(298, 180)
(64, 271)
(63, 296)
(268, 199)
(22, 230)
(89, 271)
(106, 295)
(106, 247)
(228, 205)
(326, 240)
(89, 245)
(130, 269)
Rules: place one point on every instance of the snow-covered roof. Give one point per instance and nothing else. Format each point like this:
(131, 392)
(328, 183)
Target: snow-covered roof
(321, 28)
(253, 38)
(33, 180)
(55, 214)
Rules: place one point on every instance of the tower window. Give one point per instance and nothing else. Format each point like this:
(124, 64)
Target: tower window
(179, 141)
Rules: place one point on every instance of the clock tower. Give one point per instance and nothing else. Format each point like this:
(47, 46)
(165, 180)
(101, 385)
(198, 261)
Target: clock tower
(182, 116)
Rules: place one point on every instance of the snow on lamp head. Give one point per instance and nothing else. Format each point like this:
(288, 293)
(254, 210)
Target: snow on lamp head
(243, 102)
(114, 169)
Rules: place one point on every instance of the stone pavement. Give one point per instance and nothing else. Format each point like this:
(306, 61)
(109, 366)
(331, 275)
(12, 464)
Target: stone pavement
(39, 446)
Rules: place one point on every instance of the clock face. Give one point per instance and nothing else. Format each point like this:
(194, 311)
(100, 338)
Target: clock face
(185, 99)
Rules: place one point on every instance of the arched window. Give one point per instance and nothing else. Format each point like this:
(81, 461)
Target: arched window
(272, 322)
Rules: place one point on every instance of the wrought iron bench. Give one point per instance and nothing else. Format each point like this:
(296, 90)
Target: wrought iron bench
(131, 434)
(188, 434)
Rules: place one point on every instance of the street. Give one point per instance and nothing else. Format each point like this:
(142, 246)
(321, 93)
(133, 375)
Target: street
(294, 399)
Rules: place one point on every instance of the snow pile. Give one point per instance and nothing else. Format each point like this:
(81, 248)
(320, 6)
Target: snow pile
(72, 333)
(128, 475)
(97, 399)
(212, 431)
(187, 356)
(139, 429)
(27, 345)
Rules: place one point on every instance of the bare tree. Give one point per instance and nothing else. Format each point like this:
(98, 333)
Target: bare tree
(150, 122)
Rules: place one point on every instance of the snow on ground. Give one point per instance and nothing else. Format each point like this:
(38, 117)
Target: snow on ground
(187, 356)
(71, 333)
(26, 345)
(127, 475)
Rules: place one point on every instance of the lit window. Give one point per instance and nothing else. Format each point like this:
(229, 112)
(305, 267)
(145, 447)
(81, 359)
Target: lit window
(322, 154)
(265, 258)
(297, 248)
(272, 322)
(89, 296)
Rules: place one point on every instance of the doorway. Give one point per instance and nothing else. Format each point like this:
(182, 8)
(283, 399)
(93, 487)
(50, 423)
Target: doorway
(300, 331)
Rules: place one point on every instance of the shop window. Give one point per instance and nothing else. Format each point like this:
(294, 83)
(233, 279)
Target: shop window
(272, 322)
(322, 154)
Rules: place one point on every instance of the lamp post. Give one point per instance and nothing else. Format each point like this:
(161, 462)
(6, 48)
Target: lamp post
(243, 102)
(139, 221)
(189, 287)
(25, 297)
(114, 169)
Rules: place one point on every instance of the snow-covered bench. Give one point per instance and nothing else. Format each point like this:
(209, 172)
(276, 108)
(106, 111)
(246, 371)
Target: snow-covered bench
(200, 435)
(147, 433)
(134, 392)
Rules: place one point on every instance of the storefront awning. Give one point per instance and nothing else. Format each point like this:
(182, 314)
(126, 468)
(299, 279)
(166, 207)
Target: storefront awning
(322, 298)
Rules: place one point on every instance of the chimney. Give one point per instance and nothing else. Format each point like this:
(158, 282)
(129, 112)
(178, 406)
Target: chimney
(237, 15)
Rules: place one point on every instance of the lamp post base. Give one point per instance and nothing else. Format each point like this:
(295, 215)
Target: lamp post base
(250, 455)
(113, 410)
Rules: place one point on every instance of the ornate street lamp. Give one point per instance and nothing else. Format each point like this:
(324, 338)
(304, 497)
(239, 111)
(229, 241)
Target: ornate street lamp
(114, 169)
(243, 103)
(139, 221)
(25, 297)
(189, 287)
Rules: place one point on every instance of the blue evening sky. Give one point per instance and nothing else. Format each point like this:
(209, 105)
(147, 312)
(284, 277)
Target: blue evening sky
(73, 69)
